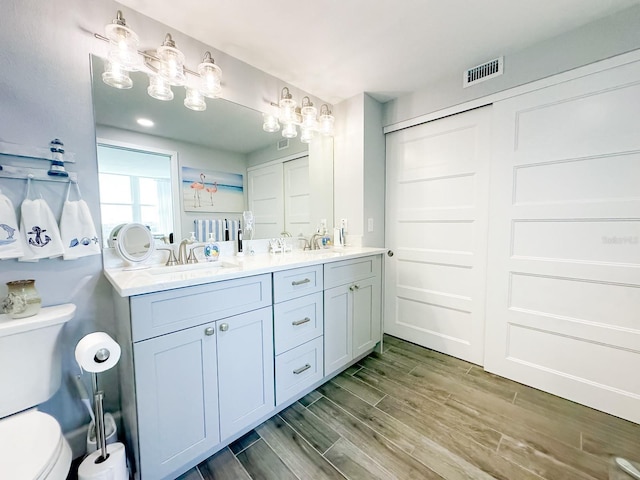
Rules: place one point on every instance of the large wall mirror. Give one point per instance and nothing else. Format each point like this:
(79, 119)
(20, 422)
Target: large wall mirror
(208, 165)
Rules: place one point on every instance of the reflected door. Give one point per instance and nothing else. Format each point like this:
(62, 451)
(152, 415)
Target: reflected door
(266, 200)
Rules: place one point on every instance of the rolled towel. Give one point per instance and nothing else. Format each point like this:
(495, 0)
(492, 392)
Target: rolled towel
(10, 245)
(78, 231)
(39, 231)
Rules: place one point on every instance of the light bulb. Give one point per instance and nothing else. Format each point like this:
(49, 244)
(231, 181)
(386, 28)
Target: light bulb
(289, 130)
(210, 77)
(171, 63)
(270, 123)
(123, 44)
(159, 88)
(115, 76)
(326, 122)
(307, 135)
(194, 100)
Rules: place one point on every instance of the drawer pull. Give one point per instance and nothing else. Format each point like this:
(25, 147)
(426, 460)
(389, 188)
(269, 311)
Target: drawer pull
(300, 282)
(298, 371)
(301, 322)
(209, 331)
(224, 327)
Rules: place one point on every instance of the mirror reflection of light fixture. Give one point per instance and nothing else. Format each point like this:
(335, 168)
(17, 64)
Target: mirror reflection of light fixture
(195, 100)
(164, 66)
(115, 76)
(159, 88)
(305, 116)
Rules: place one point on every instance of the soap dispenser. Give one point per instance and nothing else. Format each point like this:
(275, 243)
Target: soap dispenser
(211, 249)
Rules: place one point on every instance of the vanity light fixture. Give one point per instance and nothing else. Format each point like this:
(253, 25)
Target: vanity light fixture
(305, 117)
(164, 66)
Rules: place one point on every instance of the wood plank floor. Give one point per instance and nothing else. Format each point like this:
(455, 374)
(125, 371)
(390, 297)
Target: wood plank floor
(412, 413)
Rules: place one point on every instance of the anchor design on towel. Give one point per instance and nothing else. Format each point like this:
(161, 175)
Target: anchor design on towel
(38, 232)
(10, 231)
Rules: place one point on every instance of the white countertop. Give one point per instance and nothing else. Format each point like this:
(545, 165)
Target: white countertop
(137, 281)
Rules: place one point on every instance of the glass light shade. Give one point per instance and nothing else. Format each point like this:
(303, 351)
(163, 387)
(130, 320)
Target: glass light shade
(289, 130)
(195, 100)
(210, 76)
(287, 110)
(159, 88)
(123, 46)
(309, 120)
(115, 76)
(307, 135)
(270, 123)
(326, 124)
(171, 65)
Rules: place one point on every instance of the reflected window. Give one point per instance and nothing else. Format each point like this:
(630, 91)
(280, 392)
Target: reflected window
(135, 186)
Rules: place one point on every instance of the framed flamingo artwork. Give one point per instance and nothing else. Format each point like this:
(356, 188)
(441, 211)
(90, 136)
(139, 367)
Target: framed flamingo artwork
(209, 191)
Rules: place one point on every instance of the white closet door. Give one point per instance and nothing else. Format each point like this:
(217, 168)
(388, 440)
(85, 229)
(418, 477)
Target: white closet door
(266, 200)
(437, 196)
(297, 197)
(563, 308)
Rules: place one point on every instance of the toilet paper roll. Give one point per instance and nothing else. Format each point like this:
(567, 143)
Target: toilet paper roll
(97, 352)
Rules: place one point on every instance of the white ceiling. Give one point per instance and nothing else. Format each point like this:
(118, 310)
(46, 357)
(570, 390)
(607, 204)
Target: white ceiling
(335, 49)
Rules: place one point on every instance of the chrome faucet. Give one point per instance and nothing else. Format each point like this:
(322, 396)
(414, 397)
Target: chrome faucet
(314, 241)
(182, 251)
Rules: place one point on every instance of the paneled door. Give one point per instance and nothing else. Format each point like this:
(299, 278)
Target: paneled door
(297, 197)
(266, 200)
(436, 229)
(563, 298)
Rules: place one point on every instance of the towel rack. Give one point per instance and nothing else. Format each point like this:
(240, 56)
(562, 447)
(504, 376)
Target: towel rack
(10, 171)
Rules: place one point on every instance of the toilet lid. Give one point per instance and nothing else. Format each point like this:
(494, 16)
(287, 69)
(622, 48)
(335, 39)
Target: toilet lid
(29, 444)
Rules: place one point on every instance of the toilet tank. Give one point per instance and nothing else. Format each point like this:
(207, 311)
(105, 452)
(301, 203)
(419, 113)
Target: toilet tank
(30, 357)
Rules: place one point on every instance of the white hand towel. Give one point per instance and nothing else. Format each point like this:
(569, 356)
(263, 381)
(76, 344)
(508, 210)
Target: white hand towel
(39, 230)
(10, 245)
(78, 231)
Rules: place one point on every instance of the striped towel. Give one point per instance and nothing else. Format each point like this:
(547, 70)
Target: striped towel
(204, 227)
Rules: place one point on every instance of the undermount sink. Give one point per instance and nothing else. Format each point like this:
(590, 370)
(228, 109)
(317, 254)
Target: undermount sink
(191, 267)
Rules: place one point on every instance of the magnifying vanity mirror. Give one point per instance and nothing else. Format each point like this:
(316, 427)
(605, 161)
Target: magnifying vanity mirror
(145, 170)
(133, 242)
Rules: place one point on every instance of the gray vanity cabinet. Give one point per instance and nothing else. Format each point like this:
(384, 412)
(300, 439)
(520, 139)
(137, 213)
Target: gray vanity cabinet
(197, 386)
(352, 310)
(177, 397)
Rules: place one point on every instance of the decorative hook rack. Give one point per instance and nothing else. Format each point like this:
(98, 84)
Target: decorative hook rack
(23, 173)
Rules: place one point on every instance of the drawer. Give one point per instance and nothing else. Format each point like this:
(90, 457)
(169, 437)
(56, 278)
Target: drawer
(347, 271)
(296, 282)
(159, 313)
(298, 369)
(297, 321)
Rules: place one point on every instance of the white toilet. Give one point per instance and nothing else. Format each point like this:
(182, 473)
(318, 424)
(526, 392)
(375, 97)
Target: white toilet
(32, 446)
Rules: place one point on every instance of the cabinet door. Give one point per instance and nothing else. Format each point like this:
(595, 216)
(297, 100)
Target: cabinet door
(366, 314)
(177, 399)
(338, 349)
(245, 369)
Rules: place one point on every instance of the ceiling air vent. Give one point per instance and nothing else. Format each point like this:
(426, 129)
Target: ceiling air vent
(483, 72)
(282, 144)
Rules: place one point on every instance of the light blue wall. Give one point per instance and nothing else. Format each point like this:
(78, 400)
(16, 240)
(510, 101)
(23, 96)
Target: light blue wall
(45, 92)
(616, 34)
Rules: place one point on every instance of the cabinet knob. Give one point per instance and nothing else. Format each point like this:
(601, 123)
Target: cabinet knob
(353, 288)
(209, 331)
(224, 327)
(390, 253)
